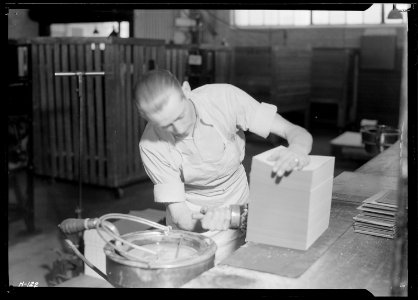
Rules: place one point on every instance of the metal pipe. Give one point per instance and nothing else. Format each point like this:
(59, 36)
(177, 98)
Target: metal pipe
(80, 148)
(81, 256)
(80, 75)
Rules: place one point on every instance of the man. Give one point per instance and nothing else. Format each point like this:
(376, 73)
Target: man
(193, 147)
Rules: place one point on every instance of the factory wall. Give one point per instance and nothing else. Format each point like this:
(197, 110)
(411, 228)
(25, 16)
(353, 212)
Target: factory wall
(378, 90)
(154, 24)
(378, 93)
(348, 37)
(20, 25)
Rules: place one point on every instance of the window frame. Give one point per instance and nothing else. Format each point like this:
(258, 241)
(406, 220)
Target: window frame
(311, 25)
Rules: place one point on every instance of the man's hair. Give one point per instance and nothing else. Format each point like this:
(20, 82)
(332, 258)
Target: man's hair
(153, 89)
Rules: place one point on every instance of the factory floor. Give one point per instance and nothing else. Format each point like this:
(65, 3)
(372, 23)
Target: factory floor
(32, 257)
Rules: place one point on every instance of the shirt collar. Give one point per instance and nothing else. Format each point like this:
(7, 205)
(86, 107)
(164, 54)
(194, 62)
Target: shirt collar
(201, 113)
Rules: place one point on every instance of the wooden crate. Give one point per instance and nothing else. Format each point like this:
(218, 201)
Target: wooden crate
(176, 60)
(112, 128)
(276, 75)
(223, 64)
(331, 77)
(291, 82)
(252, 71)
(217, 62)
(291, 212)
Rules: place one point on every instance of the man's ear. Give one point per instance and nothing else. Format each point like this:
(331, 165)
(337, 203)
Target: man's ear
(186, 88)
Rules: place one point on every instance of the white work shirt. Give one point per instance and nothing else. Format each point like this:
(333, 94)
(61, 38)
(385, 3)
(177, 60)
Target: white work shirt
(224, 112)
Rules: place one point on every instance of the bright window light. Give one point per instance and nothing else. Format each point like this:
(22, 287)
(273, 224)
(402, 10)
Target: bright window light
(354, 17)
(320, 17)
(337, 17)
(302, 17)
(124, 29)
(286, 17)
(373, 15)
(275, 18)
(242, 17)
(403, 6)
(256, 18)
(100, 29)
(271, 17)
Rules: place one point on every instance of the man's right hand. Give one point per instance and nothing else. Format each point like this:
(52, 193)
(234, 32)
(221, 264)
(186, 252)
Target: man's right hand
(215, 218)
(182, 216)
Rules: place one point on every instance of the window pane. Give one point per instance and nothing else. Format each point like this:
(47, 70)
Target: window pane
(354, 17)
(404, 7)
(337, 17)
(286, 17)
(102, 29)
(320, 17)
(271, 17)
(302, 17)
(256, 17)
(124, 29)
(58, 30)
(241, 17)
(267, 18)
(373, 15)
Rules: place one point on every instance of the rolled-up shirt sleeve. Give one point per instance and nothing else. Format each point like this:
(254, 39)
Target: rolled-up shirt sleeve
(249, 113)
(168, 186)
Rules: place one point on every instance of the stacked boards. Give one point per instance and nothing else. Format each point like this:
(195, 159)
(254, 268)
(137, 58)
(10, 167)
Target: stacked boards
(377, 215)
(292, 211)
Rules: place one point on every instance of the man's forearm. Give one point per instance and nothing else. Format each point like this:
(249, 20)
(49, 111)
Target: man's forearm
(298, 138)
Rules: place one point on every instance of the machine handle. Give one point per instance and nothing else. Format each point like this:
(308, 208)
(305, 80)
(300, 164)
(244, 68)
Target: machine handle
(72, 225)
(238, 215)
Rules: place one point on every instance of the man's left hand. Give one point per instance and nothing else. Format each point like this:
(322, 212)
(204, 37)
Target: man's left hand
(287, 160)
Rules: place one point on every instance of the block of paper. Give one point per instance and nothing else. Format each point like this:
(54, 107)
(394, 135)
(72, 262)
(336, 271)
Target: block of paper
(291, 212)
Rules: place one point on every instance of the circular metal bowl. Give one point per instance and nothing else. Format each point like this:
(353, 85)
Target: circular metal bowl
(124, 272)
(378, 138)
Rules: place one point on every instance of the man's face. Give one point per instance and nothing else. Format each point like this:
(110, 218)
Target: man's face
(176, 116)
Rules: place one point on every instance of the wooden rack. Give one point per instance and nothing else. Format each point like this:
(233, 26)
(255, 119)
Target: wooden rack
(112, 126)
(277, 75)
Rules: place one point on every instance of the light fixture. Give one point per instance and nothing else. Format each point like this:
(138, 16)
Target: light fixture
(395, 13)
(95, 30)
(114, 33)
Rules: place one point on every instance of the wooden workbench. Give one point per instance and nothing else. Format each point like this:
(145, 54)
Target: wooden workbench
(353, 261)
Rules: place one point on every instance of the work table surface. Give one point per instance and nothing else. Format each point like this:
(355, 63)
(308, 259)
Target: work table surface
(353, 261)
